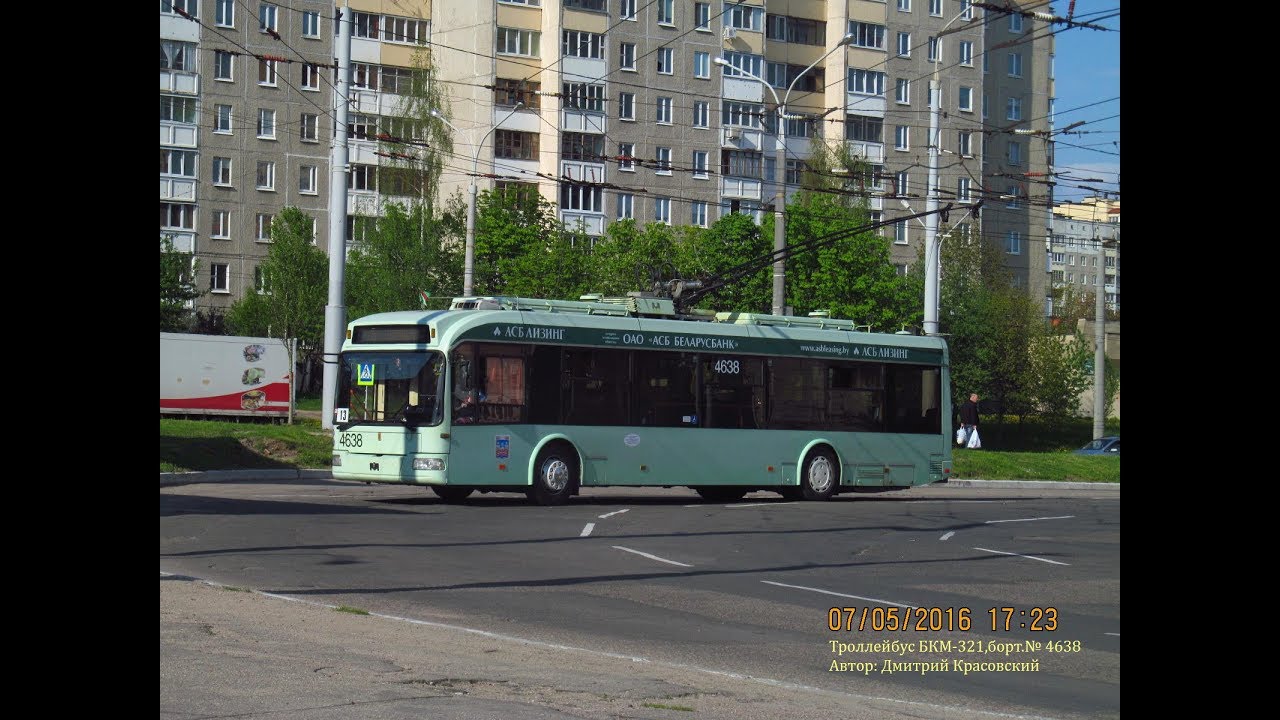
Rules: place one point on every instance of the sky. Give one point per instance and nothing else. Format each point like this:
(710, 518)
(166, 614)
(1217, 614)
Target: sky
(1087, 71)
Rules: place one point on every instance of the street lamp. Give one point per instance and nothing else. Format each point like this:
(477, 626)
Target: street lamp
(779, 218)
(1100, 339)
(469, 261)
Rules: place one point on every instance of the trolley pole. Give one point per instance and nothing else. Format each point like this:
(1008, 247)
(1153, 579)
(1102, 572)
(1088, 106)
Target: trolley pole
(335, 312)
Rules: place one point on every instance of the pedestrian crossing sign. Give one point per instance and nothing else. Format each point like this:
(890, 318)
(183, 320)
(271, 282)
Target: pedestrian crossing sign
(364, 374)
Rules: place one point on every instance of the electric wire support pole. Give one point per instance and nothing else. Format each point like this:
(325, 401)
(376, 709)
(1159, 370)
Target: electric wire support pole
(335, 312)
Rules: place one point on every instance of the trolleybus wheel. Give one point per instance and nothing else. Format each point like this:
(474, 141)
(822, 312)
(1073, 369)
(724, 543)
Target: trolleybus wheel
(721, 494)
(820, 476)
(452, 493)
(554, 474)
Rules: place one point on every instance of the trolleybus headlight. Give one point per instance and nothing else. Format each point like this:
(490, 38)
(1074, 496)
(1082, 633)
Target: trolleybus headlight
(428, 464)
(337, 459)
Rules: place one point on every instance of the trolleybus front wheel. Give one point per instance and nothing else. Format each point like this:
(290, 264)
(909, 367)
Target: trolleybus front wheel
(452, 493)
(820, 475)
(554, 474)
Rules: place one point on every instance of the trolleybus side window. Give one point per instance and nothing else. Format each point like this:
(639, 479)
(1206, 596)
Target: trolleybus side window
(856, 399)
(595, 386)
(665, 394)
(797, 392)
(916, 398)
(732, 391)
(504, 390)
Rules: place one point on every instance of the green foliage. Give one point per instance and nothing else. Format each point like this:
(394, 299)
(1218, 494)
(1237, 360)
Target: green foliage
(510, 224)
(177, 287)
(630, 258)
(417, 142)
(730, 241)
(403, 254)
(557, 266)
(1058, 374)
(1110, 384)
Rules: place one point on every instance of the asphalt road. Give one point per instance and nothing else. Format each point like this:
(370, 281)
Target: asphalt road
(726, 606)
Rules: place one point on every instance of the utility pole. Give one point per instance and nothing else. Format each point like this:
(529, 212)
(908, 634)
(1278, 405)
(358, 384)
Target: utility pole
(335, 312)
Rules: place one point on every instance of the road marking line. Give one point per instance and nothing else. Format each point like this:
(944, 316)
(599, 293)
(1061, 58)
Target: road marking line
(587, 530)
(828, 592)
(1116, 634)
(1056, 517)
(657, 663)
(953, 532)
(651, 557)
(1029, 557)
(615, 512)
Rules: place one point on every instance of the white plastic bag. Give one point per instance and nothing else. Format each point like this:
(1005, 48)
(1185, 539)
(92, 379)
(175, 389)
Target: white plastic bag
(960, 436)
(974, 441)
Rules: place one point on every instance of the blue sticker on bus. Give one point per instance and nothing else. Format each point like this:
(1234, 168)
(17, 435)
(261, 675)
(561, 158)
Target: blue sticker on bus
(502, 446)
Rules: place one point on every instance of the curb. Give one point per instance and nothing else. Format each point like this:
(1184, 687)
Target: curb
(190, 478)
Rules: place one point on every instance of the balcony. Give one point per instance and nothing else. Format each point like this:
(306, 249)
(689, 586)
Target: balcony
(739, 188)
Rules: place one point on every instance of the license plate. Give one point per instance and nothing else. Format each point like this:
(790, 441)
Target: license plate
(351, 441)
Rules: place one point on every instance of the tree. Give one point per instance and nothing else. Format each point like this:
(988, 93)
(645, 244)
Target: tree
(414, 141)
(295, 289)
(509, 224)
(631, 258)
(177, 287)
(1059, 374)
(732, 240)
(402, 254)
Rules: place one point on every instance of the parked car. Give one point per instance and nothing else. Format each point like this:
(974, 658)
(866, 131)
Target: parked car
(1102, 446)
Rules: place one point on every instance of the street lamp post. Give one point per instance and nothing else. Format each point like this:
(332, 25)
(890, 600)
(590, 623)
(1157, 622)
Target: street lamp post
(469, 259)
(1100, 341)
(780, 174)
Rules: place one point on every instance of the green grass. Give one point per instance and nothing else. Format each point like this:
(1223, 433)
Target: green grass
(352, 610)
(187, 445)
(996, 465)
(308, 403)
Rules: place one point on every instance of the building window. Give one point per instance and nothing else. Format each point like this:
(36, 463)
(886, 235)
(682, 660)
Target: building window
(864, 128)
(404, 30)
(663, 165)
(585, 198)
(266, 175)
(902, 93)
(666, 61)
(627, 106)
(866, 35)
(221, 225)
(1071, 277)
(583, 44)
(626, 206)
(223, 65)
(584, 96)
(262, 227)
(260, 281)
(310, 24)
(934, 45)
(218, 278)
(900, 186)
(900, 232)
(741, 114)
(666, 14)
(1013, 244)
(1014, 111)
(588, 147)
(699, 163)
(701, 64)
(962, 189)
(1015, 153)
(1013, 197)
(1015, 22)
(627, 56)
(266, 124)
(508, 92)
(743, 17)
(364, 76)
(307, 177)
(175, 55)
(904, 5)
(794, 172)
(740, 163)
(515, 145)
(701, 113)
(904, 44)
(363, 177)
(966, 99)
(1015, 63)
(964, 143)
(662, 210)
(177, 109)
(626, 157)
(222, 119)
(664, 111)
(267, 17)
(984, 106)
(178, 215)
(222, 171)
(866, 82)
(627, 9)
(513, 41)
(698, 216)
(966, 53)
(310, 76)
(900, 139)
(308, 127)
(935, 8)
(702, 16)
(224, 13)
(741, 64)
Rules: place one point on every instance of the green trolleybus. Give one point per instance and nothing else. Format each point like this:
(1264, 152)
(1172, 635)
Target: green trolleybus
(546, 397)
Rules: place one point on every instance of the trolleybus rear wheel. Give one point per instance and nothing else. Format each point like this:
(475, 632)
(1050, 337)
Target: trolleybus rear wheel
(554, 474)
(820, 475)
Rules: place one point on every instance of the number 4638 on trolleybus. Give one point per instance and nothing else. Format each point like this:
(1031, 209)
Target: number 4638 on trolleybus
(546, 397)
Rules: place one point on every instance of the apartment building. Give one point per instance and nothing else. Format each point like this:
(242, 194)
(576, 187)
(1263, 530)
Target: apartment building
(662, 111)
(1080, 248)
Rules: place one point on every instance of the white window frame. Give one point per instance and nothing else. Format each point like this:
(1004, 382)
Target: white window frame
(666, 12)
(309, 180)
(267, 68)
(701, 64)
(220, 224)
(859, 79)
(627, 56)
(901, 180)
(186, 216)
(1015, 22)
(1013, 109)
(964, 143)
(966, 10)
(583, 44)
(627, 10)
(698, 213)
(224, 13)
(701, 114)
(1015, 64)
(266, 181)
(627, 106)
(662, 161)
(309, 122)
(221, 174)
(626, 206)
(527, 43)
(966, 52)
(268, 18)
(962, 189)
(901, 137)
(218, 56)
(662, 210)
(935, 47)
(262, 227)
(902, 91)
(935, 8)
(666, 61)
(901, 233)
(1013, 152)
(700, 158)
(219, 126)
(626, 157)
(867, 35)
(265, 115)
(702, 16)
(1013, 243)
(220, 278)
(663, 111)
(904, 44)
(904, 6)
(310, 77)
(311, 18)
(964, 98)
